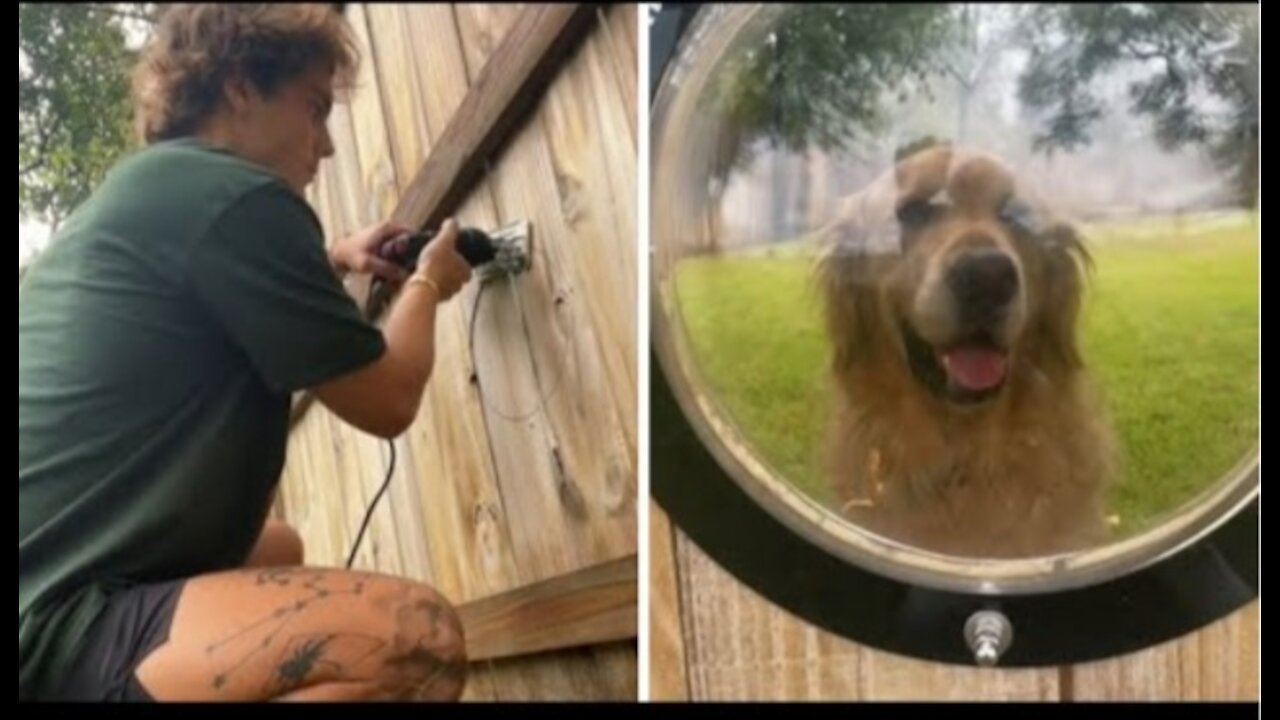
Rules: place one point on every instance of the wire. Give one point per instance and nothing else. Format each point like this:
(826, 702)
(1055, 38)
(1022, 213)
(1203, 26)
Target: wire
(533, 361)
(391, 466)
(543, 395)
(368, 515)
(540, 408)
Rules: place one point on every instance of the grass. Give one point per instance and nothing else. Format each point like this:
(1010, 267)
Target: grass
(1170, 333)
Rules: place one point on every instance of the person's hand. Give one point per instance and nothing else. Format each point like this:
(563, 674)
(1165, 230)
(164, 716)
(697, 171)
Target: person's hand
(440, 266)
(367, 251)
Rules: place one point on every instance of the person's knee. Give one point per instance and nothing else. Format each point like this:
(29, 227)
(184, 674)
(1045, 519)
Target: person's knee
(427, 658)
(288, 545)
(292, 550)
(278, 545)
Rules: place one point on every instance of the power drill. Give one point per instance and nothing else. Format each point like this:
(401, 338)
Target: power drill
(474, 245)
(503, 252)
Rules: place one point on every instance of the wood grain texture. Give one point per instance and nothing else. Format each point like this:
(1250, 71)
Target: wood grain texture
(741, 647)
(364, 460)
(494, 497)
(618, 34)
(599, 674)
(536, 39)
(593, 158)
(560, 440)
(668, 675)
(501, 94)
(1219, 662)
(563, 461)
(586, 607)
(465, 515)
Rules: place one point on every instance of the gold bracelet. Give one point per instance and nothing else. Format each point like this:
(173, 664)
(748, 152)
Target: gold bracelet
(417, 279)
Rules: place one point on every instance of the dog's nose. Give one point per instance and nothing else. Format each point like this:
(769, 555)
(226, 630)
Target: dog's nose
(983, 281)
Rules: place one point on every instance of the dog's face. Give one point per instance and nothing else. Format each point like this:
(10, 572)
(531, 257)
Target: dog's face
(943, 264)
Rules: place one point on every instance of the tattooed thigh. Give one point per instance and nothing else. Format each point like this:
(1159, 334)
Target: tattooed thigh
(262, 634)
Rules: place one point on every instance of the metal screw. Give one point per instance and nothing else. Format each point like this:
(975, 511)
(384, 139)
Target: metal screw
(989, 634)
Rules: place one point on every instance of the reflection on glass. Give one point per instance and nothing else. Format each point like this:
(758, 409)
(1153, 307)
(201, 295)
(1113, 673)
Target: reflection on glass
(979, 279)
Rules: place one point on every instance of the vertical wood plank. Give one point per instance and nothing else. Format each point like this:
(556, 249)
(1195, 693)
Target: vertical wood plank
(466, 467)
(594, 163)
(566, 511)
(741, 647)
(462, 506)
(1218, 662)
(668, 678)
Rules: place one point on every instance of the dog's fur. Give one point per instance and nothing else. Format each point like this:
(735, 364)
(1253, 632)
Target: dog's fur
(915, 454)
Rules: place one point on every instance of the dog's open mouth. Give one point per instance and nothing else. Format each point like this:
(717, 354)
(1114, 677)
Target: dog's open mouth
(965, 372)
(974, 368)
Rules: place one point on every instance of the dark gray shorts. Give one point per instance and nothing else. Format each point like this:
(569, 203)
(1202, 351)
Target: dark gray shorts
(134, 622)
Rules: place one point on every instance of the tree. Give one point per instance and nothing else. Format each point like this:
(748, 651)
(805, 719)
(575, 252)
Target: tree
(74, 107)
(981, 35)
(1200, 81)
(817, 78)
(820, 77)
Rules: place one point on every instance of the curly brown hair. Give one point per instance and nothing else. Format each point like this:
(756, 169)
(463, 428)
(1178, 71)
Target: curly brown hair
(179, 77)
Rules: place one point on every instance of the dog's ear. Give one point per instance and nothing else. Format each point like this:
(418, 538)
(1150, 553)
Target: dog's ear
(861, 243)
(844, 302)
(922, 175)
(1067, 263)
(848, 270)
(850, 303)
(981, 184)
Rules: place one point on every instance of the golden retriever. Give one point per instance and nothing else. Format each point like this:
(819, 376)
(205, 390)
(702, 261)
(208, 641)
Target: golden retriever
(965, 423)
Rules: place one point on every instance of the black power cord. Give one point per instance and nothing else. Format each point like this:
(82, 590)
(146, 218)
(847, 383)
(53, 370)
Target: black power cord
(474, 245)
(477, 248)
(368, 515)
(543, 396)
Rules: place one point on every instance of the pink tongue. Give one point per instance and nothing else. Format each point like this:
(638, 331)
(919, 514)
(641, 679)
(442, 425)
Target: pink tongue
(974, 368)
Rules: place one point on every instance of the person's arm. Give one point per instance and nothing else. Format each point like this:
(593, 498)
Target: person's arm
(263, 275)
(382, 398)
(359, 253)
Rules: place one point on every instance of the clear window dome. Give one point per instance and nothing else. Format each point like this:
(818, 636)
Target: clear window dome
(968, 293)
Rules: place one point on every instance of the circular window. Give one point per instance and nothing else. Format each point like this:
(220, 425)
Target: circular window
(961, 302)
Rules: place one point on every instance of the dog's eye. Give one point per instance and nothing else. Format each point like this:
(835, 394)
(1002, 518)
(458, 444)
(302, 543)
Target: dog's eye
(917, 213)
(1018, 215)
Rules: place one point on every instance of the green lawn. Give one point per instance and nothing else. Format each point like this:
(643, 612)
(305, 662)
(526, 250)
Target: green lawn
(1170, 334)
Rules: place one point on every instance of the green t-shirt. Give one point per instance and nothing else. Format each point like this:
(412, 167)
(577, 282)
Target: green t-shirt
(159, 339)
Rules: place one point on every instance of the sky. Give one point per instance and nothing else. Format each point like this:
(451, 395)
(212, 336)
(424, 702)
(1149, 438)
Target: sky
(33, 235)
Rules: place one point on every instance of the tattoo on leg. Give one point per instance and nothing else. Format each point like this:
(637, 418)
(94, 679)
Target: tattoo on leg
(277, 619)
(306, 654)
(302, 658)
(425, 663)
(422, 657)
(286, 576)
(419, 655)
(279, 576)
